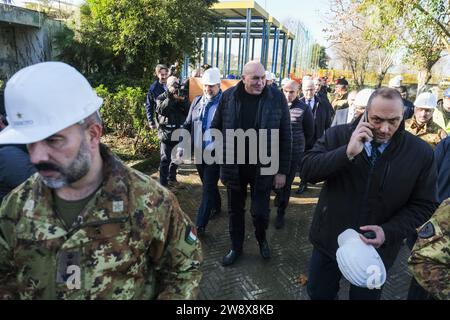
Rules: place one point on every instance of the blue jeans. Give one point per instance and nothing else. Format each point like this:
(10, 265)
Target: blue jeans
(324, 277)
(167, 169)
(209, 174)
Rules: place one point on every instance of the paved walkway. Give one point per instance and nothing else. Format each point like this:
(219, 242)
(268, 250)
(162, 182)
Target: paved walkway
(252, 277)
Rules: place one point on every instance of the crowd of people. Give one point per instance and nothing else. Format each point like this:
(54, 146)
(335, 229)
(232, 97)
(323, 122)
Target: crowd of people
(86, 226)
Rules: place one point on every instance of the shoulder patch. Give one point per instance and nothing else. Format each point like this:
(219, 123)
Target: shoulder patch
(190, 235)
(427, 231)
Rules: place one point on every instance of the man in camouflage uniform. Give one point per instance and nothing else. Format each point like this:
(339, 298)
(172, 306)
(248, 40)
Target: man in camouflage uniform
(421, 124)
(340, 100)
(430, 258)
(86, 226)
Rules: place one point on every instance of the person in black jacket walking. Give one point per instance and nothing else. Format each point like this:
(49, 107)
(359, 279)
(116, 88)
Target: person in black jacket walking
(367, 188)
(252, 107)
(171, 110)
(302, 125)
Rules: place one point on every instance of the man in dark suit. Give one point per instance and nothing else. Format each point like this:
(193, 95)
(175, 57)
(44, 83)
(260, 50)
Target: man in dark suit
(322, 114)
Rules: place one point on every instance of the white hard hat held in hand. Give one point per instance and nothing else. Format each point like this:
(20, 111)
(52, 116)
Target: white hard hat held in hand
(45, 98)
(358, 262)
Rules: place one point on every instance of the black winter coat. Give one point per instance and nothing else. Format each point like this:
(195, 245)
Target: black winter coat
(171, 115)
(273, 113)
(399, 196)
(302, 124)
(323, 115)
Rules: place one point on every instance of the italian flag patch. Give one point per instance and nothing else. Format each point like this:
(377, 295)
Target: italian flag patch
(190, 235)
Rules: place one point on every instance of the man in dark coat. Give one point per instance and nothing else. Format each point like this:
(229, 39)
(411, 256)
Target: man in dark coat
(172, 110)
(156, 89)
(252, 107)
(367, 188)
(322, 113)
(302, 125)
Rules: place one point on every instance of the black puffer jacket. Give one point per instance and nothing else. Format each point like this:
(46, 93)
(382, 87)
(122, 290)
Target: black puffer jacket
(399, 195)
(273, 113)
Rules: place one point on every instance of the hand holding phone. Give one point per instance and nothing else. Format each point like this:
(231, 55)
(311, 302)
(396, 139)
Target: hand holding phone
(362, 133)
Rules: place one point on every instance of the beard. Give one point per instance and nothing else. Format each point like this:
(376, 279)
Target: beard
(74, 172)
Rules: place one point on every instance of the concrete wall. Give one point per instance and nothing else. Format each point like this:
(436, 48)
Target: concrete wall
(25, 39)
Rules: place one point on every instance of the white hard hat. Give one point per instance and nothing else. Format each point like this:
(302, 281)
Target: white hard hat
(426, 100)
(358, 262)
(362, 97)
(395, 82)
(285, 81)
(45, 98)
(306, 78)
(273, 76)
(269, 76)
(211, 76)
(307, 83)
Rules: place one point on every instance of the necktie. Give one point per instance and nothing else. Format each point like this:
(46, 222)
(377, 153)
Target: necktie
(205, 116)
(375, 153)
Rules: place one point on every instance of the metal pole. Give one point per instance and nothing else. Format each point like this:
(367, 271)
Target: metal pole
(266, 54)
(248, 25)
(217, 53)
(225, 68)
(276, 52)
(283, 57)
(253, 48)
(229, 53)
(205, 49)
(290, 57)
(239, 54)
(273, 49)
(263, 43)
(212, 49)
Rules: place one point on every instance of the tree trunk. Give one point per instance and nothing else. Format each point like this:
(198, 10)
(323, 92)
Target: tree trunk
(423, 77)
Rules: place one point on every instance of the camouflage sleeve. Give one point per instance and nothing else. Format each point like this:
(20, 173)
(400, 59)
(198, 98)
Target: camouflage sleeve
(8, 286)
(178, 267)
(430, 257)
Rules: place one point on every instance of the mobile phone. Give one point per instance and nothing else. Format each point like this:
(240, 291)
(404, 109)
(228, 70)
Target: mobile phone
(369, 234)
(365, 116)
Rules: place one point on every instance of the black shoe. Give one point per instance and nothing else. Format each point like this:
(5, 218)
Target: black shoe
(302, 188)
(231, 257)
(215, 213)
(264, 249)
(279, 222)
(201, 231)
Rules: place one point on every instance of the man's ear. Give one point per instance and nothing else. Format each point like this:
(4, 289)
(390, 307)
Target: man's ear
(94, 133)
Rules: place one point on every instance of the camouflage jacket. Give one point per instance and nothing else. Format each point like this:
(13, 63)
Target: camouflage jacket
(430, 132)
(340, 102)
(131, 241)
(430, 258)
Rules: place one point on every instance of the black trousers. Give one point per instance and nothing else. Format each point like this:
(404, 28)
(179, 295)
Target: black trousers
(282, 195)
(167, 168)
(260, 188)
(324, 277)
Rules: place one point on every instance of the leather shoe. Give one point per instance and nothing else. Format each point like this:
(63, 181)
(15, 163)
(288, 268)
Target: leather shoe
(231, 257)
(201, 231)
(279, 222)
(302, 188)
(264, 249)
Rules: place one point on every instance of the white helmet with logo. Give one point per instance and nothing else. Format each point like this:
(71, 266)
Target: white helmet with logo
(45, 98)
(426, 100)
(358, 262)
(211, 77)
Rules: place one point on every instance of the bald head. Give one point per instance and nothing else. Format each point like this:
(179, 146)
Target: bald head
(290, 90)
(254, 78)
